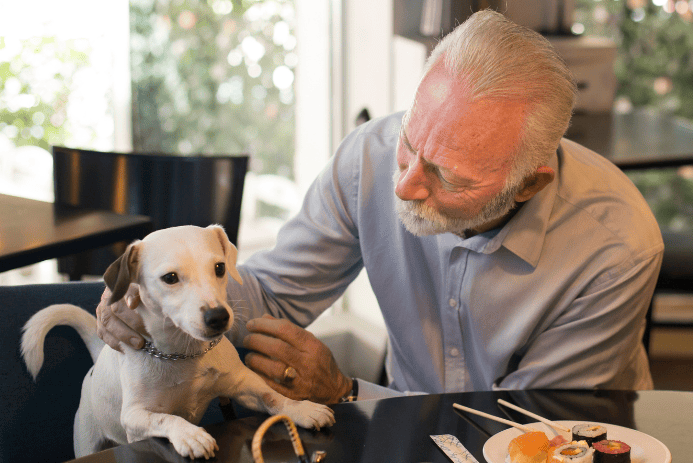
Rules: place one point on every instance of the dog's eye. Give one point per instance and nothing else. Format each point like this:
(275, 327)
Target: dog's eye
(220, 269)
(170, 278)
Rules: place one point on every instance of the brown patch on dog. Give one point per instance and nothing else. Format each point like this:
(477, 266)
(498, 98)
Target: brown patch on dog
(122, 272)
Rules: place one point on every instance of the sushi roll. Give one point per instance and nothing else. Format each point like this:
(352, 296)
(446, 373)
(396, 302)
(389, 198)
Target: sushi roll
(611, 451)
(589, 433)
(572, 452)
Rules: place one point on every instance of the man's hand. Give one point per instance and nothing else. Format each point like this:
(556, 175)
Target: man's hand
(294, 362)
(119, 323)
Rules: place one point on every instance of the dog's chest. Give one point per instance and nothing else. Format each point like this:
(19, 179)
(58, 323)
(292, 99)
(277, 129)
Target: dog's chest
(186, 390)
(194, 402)
(196, 378)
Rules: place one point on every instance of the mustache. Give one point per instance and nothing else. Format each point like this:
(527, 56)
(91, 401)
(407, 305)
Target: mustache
(421, 219)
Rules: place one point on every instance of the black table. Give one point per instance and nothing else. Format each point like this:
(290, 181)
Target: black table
(640, 139)
(33, 231)
(398, 430)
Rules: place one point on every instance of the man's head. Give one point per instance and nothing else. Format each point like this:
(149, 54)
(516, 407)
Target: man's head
(490, 110)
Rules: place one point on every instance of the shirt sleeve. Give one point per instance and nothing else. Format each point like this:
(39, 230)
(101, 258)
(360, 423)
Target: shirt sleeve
(596, 342)
(317, 254)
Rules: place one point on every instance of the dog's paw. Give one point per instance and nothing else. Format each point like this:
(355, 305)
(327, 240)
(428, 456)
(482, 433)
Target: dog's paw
(193, 442)
(308, 414)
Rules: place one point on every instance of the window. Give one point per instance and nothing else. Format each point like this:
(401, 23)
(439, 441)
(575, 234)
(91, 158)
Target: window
(212, 77)
(59, 74)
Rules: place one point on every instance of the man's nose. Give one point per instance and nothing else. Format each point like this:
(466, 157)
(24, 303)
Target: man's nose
(412, 183)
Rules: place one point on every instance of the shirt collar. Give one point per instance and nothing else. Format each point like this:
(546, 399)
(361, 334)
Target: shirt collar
(480, 243)
(524, 234)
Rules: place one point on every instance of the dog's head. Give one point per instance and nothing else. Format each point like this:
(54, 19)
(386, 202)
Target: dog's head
(182, 273)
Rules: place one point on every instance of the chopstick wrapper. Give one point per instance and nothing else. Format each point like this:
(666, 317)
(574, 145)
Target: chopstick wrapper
(454, 449)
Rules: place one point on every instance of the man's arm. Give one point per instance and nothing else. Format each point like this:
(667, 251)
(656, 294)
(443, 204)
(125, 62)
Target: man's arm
(597, 341)
(317, 254)
(316, 257)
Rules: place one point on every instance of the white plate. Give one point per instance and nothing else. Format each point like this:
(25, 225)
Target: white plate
(643, 448)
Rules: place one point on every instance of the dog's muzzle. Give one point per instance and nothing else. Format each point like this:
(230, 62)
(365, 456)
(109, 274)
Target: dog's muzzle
(217, 319)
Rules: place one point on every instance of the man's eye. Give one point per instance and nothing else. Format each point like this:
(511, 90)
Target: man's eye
(408, 146)
(450, 182)
(405, 141)
(220, 269)
(444, 179)
(170, 278)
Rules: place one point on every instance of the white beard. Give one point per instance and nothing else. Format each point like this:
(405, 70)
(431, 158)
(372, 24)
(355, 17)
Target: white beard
(422, 220)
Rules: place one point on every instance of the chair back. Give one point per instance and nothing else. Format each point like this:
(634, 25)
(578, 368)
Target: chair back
(171, 189)
(38, 417)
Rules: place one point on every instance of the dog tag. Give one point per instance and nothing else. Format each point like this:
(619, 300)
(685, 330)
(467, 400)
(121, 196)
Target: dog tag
(454, 449)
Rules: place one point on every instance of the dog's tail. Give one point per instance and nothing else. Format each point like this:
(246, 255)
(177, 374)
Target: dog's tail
(38, 326)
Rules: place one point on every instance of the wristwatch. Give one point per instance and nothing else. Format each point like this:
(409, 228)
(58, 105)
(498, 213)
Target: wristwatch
(353, 394)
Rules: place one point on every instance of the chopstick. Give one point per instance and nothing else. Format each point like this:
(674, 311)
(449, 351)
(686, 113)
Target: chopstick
(553, 424)
(468, 418)
(494, 418)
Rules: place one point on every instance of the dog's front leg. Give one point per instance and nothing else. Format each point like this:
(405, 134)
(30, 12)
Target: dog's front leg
(188, 440)
(252, 392)
(146, 413)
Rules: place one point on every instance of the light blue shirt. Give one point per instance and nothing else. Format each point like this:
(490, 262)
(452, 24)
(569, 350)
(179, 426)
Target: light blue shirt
(556, 298)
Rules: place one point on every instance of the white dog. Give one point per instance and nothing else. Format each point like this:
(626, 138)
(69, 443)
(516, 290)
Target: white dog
(181, 275)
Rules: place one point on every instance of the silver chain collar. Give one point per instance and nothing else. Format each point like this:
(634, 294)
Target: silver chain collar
(154, 352)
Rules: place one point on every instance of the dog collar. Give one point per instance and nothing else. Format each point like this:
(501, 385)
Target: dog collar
(154, 352)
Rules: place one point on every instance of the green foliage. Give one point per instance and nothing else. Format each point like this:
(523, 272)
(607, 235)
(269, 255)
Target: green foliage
(204, 76)
(654, 63)
(654, 68)
(669, 193)
(35, 81)
(657, 48)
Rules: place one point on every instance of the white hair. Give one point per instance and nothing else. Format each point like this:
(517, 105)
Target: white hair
(496, 58)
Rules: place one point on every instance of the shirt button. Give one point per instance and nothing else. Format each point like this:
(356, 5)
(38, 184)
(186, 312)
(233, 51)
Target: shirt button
(452, 302)
(454, 352)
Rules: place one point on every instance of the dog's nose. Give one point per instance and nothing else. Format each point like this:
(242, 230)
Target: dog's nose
(217, 318)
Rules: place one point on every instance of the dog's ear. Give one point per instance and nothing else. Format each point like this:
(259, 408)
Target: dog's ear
(230, 252)
(122, 272)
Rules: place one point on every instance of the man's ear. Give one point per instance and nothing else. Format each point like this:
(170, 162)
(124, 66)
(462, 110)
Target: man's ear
(122, 272)
(535, 183)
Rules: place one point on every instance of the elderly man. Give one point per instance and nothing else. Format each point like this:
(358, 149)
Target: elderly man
(501, 255)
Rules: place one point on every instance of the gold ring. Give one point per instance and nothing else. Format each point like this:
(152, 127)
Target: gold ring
(289, 374)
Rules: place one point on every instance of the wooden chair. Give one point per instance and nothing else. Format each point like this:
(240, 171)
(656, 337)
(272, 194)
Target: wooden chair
(171, 189)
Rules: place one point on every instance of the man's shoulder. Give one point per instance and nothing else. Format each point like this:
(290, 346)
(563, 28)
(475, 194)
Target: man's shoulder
(384, 126)
(373, 144)
(597, 192)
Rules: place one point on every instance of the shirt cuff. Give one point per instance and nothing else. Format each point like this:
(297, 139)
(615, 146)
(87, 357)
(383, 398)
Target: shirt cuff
(370, 391)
